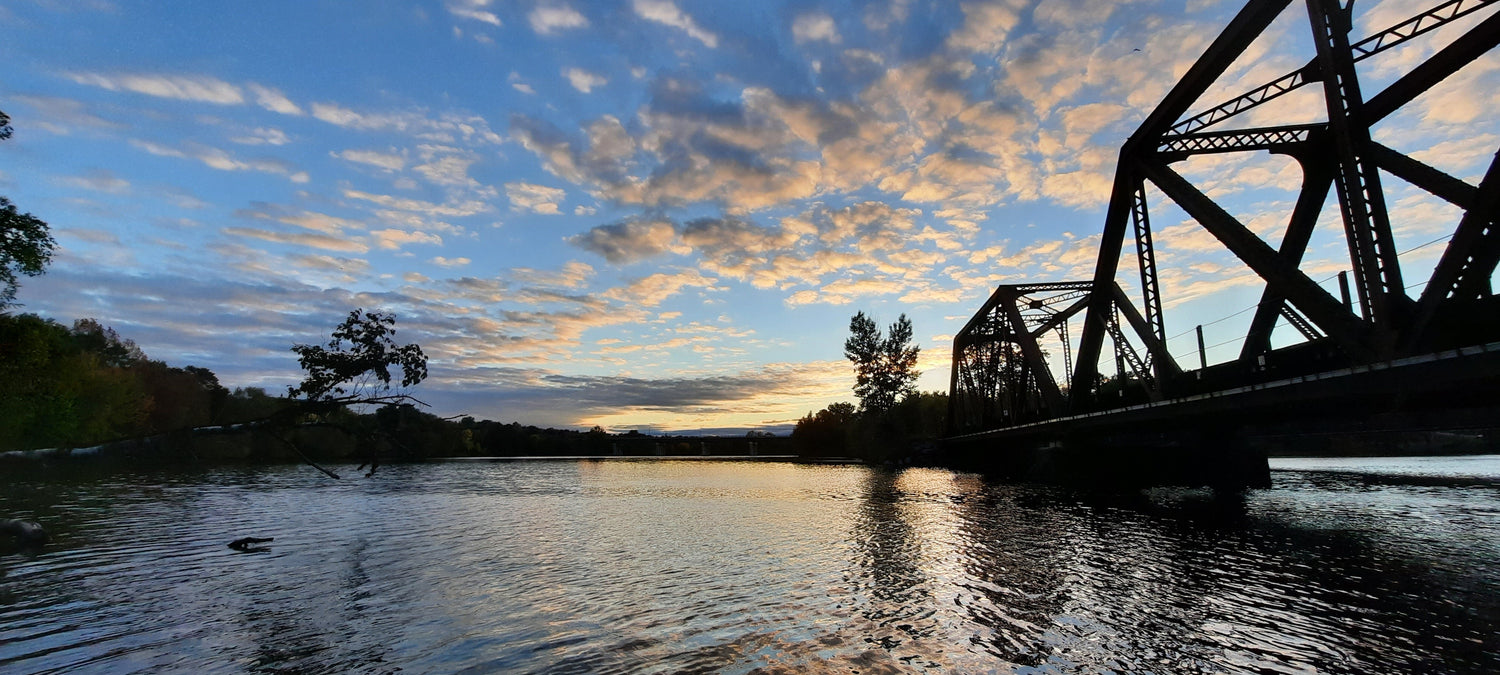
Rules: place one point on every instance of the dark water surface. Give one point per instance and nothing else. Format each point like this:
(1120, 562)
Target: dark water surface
(662, 566)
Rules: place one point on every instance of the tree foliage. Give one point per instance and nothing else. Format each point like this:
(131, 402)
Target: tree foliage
(87, 385)
(885, 367)
(826, 432)
(356, 365)
(26, 244)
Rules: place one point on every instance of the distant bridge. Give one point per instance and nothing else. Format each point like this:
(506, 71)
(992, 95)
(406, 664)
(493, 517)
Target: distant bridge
(1371, 358)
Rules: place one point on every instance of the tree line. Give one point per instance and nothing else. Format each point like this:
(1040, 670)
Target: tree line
(85, 385)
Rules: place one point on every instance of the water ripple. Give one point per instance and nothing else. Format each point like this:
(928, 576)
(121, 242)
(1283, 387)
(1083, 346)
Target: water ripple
(628, 567)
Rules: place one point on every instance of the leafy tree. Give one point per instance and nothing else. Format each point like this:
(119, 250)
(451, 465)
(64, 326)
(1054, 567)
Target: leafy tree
(113, 350)
(356, 365)
(25, 248)
(826, 432)
(25, 242)
(61, 389)
(884, 367)
(355, 369)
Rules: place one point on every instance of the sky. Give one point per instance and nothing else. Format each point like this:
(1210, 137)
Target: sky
(645, 214)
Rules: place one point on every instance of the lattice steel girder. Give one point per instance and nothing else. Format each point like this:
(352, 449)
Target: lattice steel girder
(1448, 60)
(1059, 318)
(1156, 347)
(1237, 36)
(1027, 289)
(1372, 248)
(971, 333)
(1286, 140)
(1300, 322)
(1145, 252)
(1312, 72)
(1417, 25)
(1317, 180)
(1320, 307)
(1051, 395)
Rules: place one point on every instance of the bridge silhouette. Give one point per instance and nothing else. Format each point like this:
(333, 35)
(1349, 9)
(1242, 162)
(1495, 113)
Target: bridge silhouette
(1026, 397)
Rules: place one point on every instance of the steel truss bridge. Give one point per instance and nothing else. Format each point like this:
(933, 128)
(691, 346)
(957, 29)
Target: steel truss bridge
(1441, 348)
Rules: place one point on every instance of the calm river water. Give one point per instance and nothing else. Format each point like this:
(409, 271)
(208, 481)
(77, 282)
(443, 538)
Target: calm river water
(702, 566)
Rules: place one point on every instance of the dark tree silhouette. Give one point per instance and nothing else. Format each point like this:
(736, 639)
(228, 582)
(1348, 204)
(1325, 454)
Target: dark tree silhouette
(25, 242)
(356, 365)
(884, 367)
(354, 369)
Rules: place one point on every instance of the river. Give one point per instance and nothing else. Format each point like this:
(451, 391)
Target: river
(739, 567)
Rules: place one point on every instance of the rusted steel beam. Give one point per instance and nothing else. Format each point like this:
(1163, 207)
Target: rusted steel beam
(1465, 269)
(1372, 248)
(1095, 320)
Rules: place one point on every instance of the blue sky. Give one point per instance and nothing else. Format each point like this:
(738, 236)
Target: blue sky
(641, 214)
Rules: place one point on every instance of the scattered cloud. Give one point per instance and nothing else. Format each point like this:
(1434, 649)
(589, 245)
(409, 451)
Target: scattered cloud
(629, 241)
(534, 198)
(273, 100)
(550, 19)
(98, 180)
(388, 161)
(815, 27)
(475, 10)
(197, 88)
(392, 240)
(262, 136)
(665, 12)
(582, 80)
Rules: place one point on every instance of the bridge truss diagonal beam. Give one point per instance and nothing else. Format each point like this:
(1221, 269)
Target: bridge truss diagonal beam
(1317, 180)
(1450, 189)
(1290, 282)
(1467, 264)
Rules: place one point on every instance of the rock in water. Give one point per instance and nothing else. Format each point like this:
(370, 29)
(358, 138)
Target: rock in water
(24, 532)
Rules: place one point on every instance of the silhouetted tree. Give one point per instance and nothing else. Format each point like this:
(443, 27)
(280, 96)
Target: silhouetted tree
(25, 248)
(825, 433)
(884, 367)
(356, 365)
(355, 369)
(26, 243)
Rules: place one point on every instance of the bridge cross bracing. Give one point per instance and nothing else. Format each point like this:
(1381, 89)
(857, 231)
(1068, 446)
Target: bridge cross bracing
(1003, 368)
